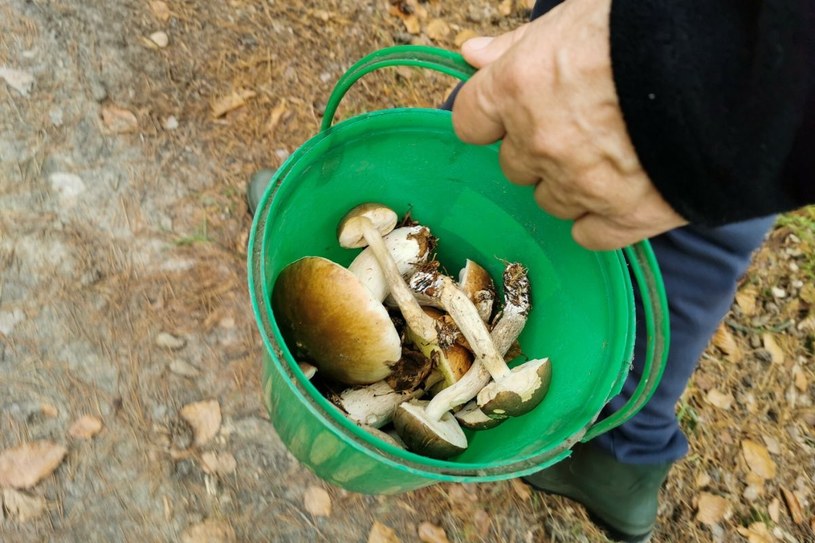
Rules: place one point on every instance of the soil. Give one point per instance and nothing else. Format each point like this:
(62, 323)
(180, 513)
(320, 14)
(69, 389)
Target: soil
(123, 296)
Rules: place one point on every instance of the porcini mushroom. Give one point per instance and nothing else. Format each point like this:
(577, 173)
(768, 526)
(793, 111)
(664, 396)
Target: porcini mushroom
(373, 404)
(409, 246)
(448, 357)
(326, 314)
(477, 284)
(366, 224)
(514, 392)
(440, 437)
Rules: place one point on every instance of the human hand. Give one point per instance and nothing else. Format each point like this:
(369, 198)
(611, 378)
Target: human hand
(546, 89)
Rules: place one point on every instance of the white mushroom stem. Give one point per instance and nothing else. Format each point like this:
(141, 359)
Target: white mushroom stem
(509, 326)
(421, 324)
(373, 404)
(409, 246)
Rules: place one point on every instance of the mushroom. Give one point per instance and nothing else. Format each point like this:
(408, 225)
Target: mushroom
(366, 224)
(409, 246)
(325, 313)
(436, 437)
(473, 418)
(514, 392)
(448, 357)
(479, 287)
(308, 370)
(373, 404)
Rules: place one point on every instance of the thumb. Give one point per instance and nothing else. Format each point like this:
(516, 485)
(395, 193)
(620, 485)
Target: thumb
(484, 50)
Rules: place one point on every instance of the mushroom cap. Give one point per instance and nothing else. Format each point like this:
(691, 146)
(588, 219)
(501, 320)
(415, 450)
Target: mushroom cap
(470, 416)
(352, 225)
(327, 314)
(517, 393)
(437, 439)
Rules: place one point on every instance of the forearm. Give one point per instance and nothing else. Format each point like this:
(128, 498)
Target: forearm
(719, 100)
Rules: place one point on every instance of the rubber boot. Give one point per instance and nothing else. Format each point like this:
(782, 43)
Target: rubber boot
(257, 186)
(620, 498)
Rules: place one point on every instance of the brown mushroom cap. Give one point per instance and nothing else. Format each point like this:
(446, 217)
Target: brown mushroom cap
(441, 438)
(325, 312)
(351, 227)
(518, 393)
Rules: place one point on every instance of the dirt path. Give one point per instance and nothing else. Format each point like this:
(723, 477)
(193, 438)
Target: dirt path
(122, 292)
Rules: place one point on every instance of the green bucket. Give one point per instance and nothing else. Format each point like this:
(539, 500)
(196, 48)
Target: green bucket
(582, 301)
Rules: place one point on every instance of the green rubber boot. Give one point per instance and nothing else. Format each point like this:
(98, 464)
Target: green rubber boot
(257, 186)
(620, 498)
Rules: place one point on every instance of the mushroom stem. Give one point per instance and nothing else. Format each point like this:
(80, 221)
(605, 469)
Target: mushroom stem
(421, 324)
(372, 404)
(509, 326)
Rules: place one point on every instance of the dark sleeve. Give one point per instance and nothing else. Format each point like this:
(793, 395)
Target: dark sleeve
(719, 100)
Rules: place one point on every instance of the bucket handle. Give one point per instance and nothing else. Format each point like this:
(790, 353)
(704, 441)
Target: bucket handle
(640, 256)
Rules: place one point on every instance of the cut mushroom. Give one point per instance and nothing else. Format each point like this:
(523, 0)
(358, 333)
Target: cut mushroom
(366, 224)
(514, 392)
(326, 314)
(308, 370)
(384, 436)
(473, 418)
(434, 437)
(410, 247)
(449, 358)
(372, 405)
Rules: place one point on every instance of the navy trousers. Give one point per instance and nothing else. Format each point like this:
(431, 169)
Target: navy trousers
(701, 268)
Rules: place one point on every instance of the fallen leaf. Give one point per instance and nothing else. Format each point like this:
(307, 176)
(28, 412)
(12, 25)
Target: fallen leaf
(772, 444)
(719, 399)
(482, 522)
(430, 533)
(521, 489)
(702, 480)
(772, 347)
(231, 102)
(437, 30)
(774, 510)
(169, 341)
(86, 427)
(277, 113)
(22, 506)
(758, 459)
(18, 80)
(184, 368)
(460, 494)
(204, 418)
(209, 531)
(161, 39)
(756, 533)
(382, 534)
(49, 410)
(118, 120)
(746, 300)
(317, 501)
(160, 10)
(793, 505)
(463, 36)
(28, 464)
(725, 341)
(505, 8)
(412, 24)
(800, 378)
(712, 509)
(807, 293)
(218, 463)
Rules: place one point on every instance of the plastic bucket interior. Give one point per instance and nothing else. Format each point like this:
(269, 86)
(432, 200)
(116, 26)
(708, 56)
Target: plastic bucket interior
(582, 314)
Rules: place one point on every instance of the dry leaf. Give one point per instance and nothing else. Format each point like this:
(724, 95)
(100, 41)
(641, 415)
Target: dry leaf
(800, 378)
(438, 30)
(719, 399)
(773, 447)
(430, 533)
(28, 464)
(218, 463)
(521, 489)
(49, 410)
(231, 102)
(772, 347)
(746, 300)
(276, 115)
(461, 494)
(712, 509)
(161, 39)
(21, 506)
(118, 120)
(209, 531)
(793, 505)
(317, 501)
(482, 522)
(382, 534)
(725, 341)
(702, 480)
(758, 459)
(756, 533)
(505, 8)
(774, 510)
(86, 427)
(807, 293)
(463, 36)
(412, 24)
(160, 10)
(204, 418)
